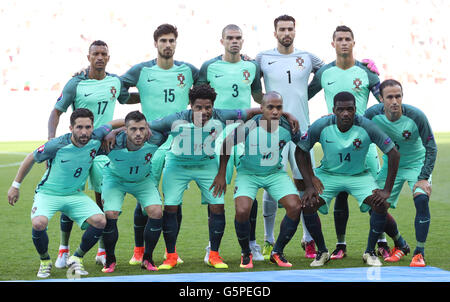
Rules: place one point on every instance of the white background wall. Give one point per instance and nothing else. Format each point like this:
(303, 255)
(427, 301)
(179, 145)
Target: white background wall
(44, 42)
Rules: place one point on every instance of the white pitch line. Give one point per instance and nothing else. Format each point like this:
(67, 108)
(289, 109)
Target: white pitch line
(12, 164)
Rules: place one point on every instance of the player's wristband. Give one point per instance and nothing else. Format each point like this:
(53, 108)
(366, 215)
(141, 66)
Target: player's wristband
(15, 184)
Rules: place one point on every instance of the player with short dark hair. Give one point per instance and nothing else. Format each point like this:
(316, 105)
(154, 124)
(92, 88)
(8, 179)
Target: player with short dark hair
(345, 139)
(129, 171)
(409, 128)
(69, 160)
(347, 74)
(236, 82)
(98, 91)
(286, 70)
(163, 85)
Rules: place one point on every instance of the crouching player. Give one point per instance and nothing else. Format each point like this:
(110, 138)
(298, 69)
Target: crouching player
(265, 136)
(412, 135)
(345, 139)
(69, 159)
(129, 171)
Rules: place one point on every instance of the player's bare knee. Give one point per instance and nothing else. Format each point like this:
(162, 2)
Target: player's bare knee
(154, 211)
(39, 223)
(97, 221)
(217, 209)
(112, 214)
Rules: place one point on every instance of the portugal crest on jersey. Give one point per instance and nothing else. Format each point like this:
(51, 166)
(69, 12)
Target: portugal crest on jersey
(181, 79)
(357, 83)
(246, 75)
(93, 153)
(406, 134)
(281, 144)
(300, 62)
(148, 157)
(357, 143)
(113, 93)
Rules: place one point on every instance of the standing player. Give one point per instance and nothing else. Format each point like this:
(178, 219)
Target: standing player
(347, 74)
(412, 134)
(163, 84)
(236, 81)
(98, 91)
(265, 136)
(287, 70)
(69, 159)
(345, 139)
(129, 171)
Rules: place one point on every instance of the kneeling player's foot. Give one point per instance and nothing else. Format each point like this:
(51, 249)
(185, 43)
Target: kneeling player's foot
(44, 269)
(75, 264)
(100, 258)
(417, 261)
(340, 252)
(397, 253)
(321, 258)
(109, 268)
(279, 259)
(215, 260)
(256, 252)
(371, 259)
(267, 250)
(170, 262)
(383, 250)
(310, 248)
(246, 261)
(179, 260)
(149, 265)
(138, 253)
(61, 260)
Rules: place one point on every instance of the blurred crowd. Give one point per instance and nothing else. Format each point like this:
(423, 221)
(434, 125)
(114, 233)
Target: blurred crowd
(44, 42)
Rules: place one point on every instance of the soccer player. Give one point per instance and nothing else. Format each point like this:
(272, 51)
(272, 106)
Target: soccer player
(265, 136)
(347, 74)
(98, 91)
(163, 84)
(345, 139)
(236, 82)
(70, 158)
(409, 128)
(286, 70)
(129, 171)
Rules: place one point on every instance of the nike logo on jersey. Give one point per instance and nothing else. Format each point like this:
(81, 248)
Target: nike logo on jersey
(119, 159)
(64, 161)
(330, 83)
(87, 94)
(148, 80)
(327, 141)
(219, 75)
(270, 63)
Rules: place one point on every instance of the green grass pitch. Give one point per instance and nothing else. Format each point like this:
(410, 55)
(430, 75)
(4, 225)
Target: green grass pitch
(19, 259)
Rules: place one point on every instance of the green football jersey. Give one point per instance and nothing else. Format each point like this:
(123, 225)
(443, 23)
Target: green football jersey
(358, 80)
(99, 96)
(262, 155)
(162, 92)
(412, 136)
(133, 166)
(68, 165)
(344, 152)
(194, 145)
(233, 82)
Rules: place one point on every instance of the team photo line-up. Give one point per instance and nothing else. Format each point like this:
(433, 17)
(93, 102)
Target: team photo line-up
(166, 143)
